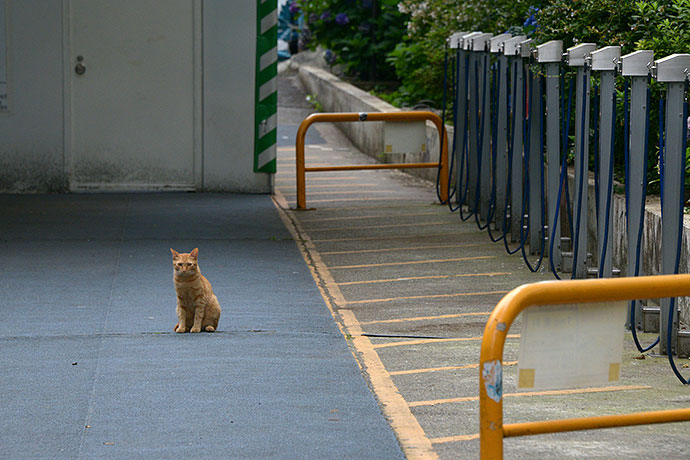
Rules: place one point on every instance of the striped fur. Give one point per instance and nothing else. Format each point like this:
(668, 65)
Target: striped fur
(197, 305)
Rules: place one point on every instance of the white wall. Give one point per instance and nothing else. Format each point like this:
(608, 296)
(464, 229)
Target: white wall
(31, 133)
(32, 154)
(229, 72)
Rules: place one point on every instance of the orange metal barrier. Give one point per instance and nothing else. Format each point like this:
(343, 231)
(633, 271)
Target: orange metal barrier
(374, 116)
(491, 427)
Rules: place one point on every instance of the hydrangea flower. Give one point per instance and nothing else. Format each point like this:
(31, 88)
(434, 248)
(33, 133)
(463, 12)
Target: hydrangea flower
(329, 56)
(294, 8)
(342, 19)
(531, 20)
(530, 24)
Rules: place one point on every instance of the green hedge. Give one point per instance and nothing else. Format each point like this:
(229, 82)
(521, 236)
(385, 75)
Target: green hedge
(405, 40)
(358, 34)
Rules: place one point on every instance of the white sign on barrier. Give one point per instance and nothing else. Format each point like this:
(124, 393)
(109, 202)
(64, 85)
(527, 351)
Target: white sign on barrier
(569, 346)
(404, 137)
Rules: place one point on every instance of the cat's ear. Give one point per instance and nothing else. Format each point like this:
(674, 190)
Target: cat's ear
(175, 254)
(194, 253)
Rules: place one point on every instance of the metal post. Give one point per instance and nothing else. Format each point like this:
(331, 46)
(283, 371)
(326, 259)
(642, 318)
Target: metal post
(474, 120)
(550, 54)
(605, 61)
(536, 162)
(480, 46)
(474, 90)
(576, 58)
(636, 66)
(672, 70)
(516, 114)
(497, 46)
(460, 131)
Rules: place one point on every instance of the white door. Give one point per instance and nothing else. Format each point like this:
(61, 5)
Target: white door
(134, 94)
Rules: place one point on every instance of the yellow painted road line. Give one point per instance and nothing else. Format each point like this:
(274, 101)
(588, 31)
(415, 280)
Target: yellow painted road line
(291, 159)
(290, 163)
(406, 248)
(411, 262)
(430, 296)
(425, 318)
(314, 165)
(378, 238)
(378, 227)
(459, 438)
(535, 393)
(309, 187)
(427, 341)
(344, 192)
(286, 149)
(430, 277)
(446, 368)
(342, 200)
(413, 441)
(373, 216)
(426, 204)
(310, 178)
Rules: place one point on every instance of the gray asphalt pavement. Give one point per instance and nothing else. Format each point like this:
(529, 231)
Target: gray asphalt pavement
(92, 370)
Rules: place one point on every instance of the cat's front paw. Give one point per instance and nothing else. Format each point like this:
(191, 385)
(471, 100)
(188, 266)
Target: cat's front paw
(180, 330)
(195, 329)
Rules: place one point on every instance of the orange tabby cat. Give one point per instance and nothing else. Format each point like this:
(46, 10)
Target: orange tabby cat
(197, 306)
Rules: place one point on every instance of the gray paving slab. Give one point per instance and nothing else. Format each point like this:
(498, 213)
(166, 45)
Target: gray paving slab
(92, 369)
(44, 395)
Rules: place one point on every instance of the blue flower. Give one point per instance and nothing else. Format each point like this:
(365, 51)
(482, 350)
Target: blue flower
(329, 56)
(530, 24)
(326, 16)
(342, 19)
(530, 21)
(294, 7)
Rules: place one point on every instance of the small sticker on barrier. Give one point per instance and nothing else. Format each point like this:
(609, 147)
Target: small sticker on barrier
(492, 374)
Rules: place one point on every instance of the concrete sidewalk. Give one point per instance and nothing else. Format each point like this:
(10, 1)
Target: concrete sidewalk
(92, 370)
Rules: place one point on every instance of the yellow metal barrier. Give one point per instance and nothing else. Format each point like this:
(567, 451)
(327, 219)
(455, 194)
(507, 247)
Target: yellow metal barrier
(374, 116)
(491, 427)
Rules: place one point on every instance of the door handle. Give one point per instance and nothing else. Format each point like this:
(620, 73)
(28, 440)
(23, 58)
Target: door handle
(80, 69)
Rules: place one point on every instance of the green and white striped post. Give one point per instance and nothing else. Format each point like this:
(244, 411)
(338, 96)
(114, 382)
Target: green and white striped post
(266, 95)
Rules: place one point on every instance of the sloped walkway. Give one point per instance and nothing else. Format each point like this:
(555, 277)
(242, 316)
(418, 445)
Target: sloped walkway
(412, 286)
